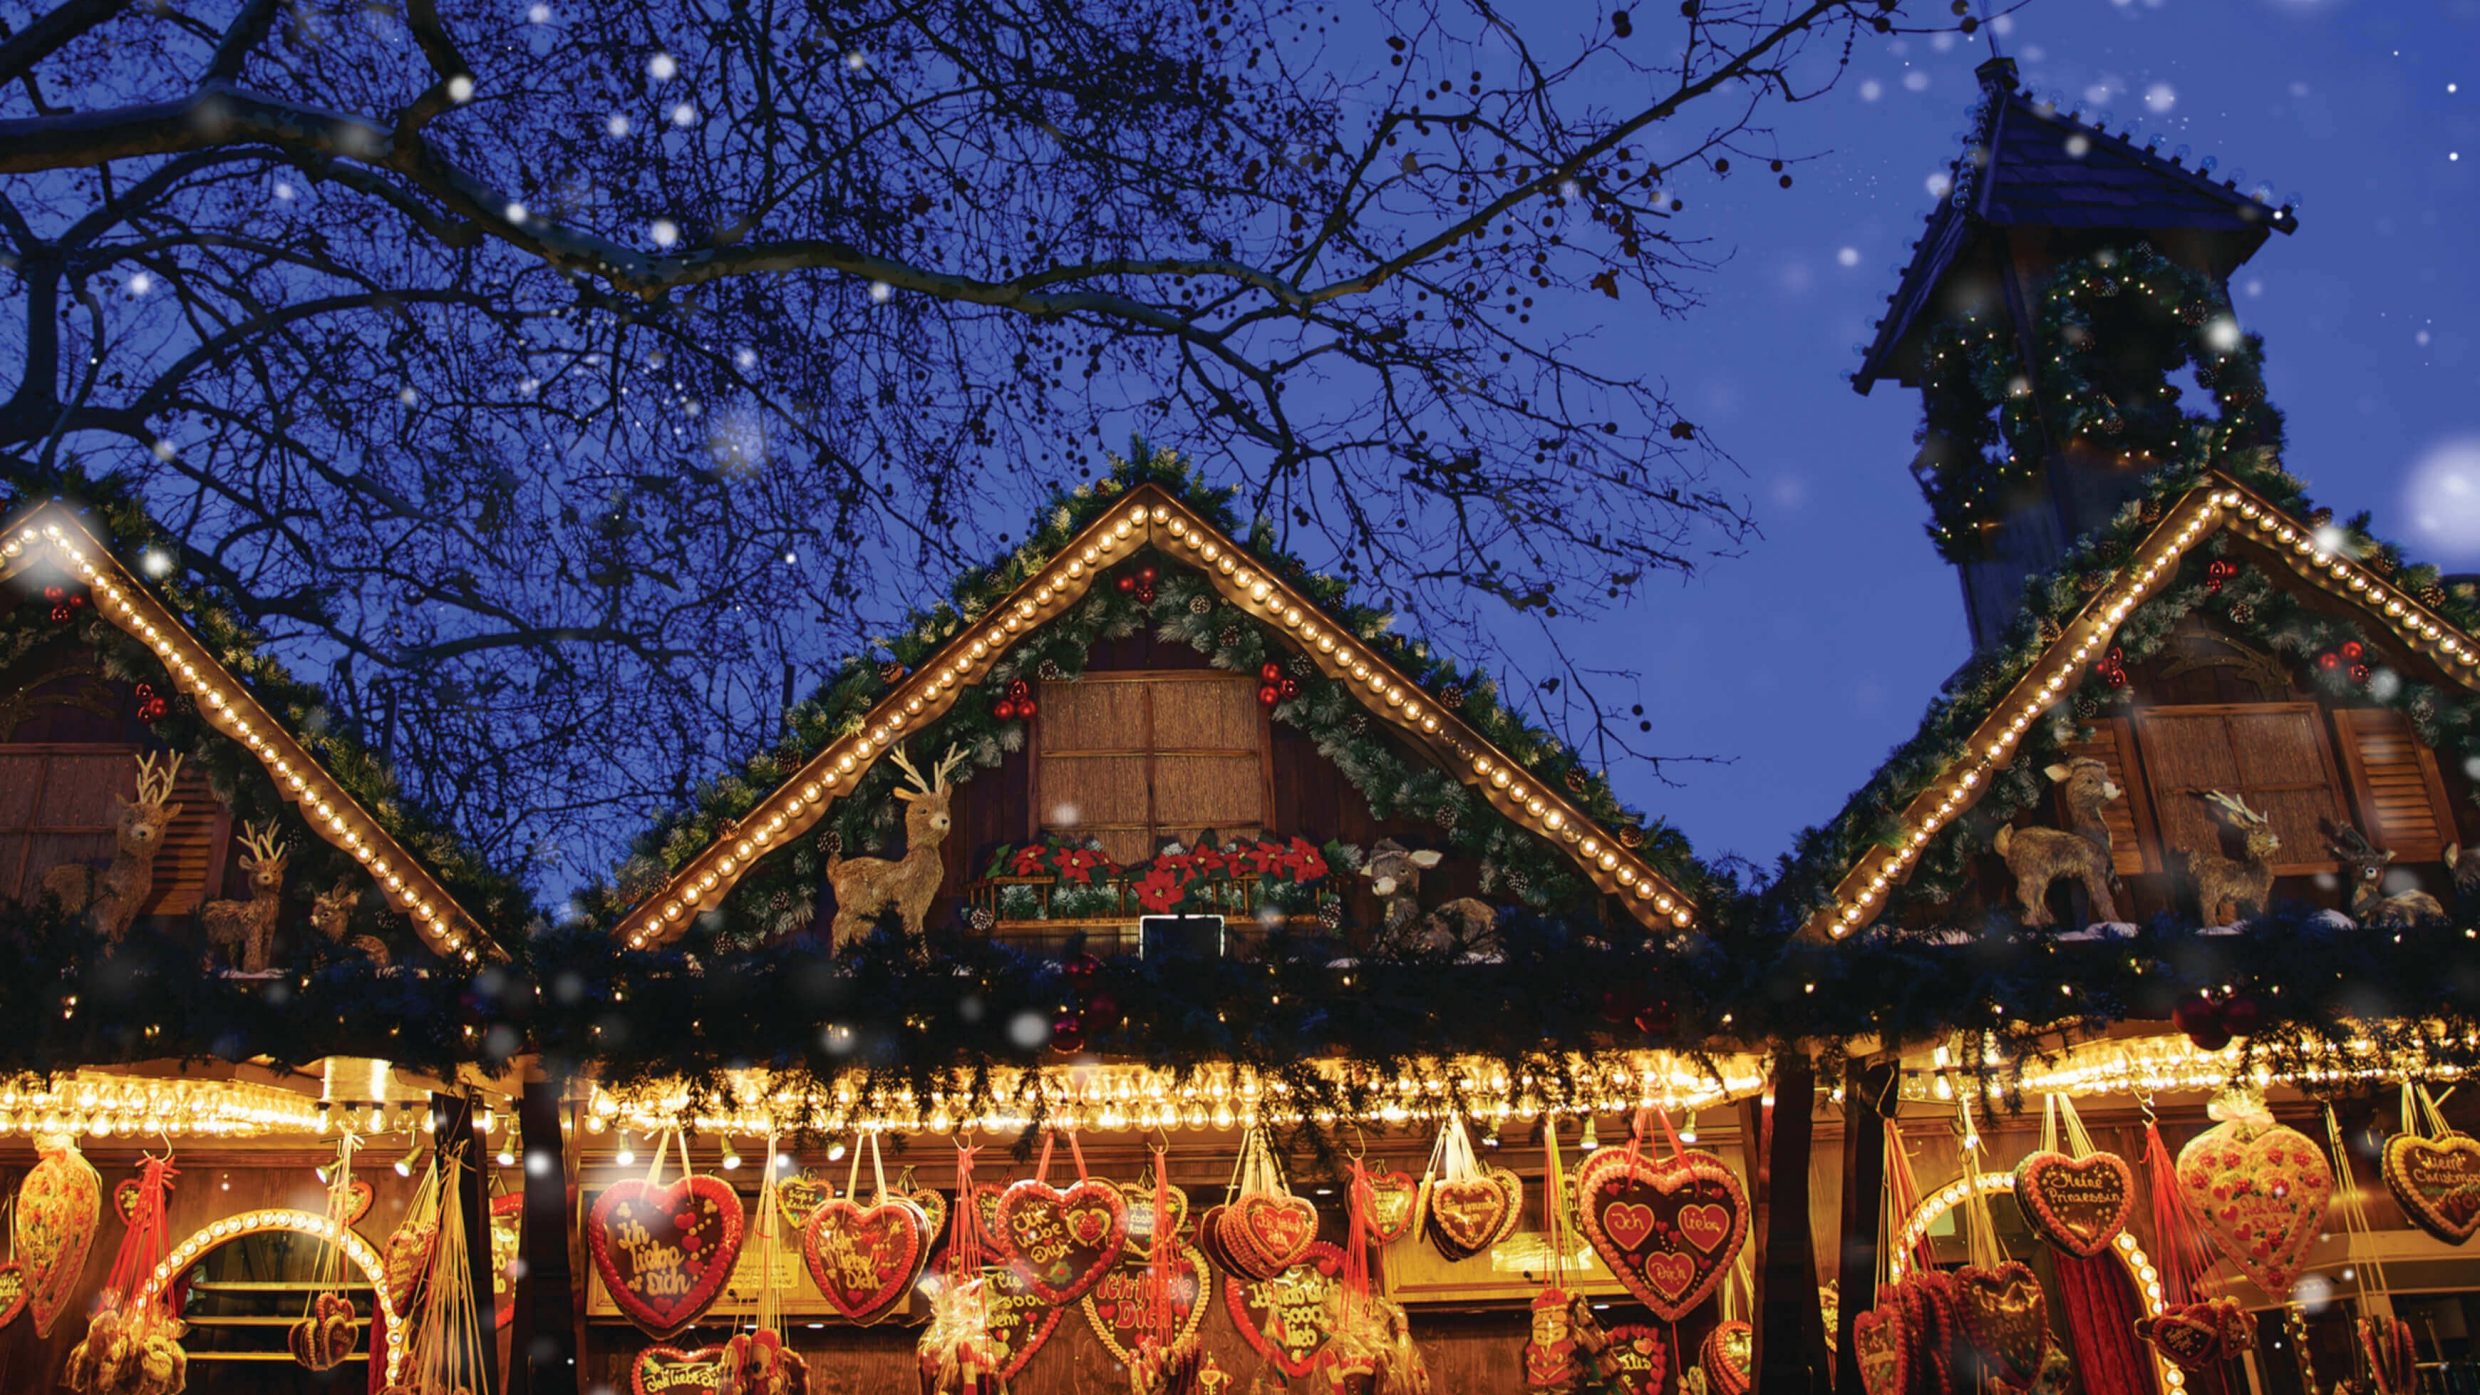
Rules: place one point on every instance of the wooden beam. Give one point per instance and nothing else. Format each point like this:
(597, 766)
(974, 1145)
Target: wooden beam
(1787, 1350)
(542, 1348)
(458, 1122)
(1864, 1186)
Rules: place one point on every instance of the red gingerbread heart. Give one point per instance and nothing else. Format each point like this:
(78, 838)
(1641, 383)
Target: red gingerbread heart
(865, 1259)
(507, 1237)
(1388, 1204)
(1266, 1233)
(1877, 1341)
(665, 1252)
(1467, 1214)
(2006, 1318)
(1726, 1357)
(2259, 1191)
(2189, 1335)
(1060, 1242)
(2078, 1205)
(1636, 1213)
(1020, 1322)
(1289, 1317)
(1639, 1357)
(1116, 1309)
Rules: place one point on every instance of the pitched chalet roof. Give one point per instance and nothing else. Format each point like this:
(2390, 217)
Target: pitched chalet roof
(53, 532)
(2027, 163)
(1150, 516)
(1868, 852)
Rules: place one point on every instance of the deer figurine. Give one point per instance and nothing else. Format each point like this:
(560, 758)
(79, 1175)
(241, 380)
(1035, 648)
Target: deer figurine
(331, 914)
(864, 886)
(108, 896)
(2365, 863)
(2226, 884)
(1394, 873)
(2040, 856)
(246, 930)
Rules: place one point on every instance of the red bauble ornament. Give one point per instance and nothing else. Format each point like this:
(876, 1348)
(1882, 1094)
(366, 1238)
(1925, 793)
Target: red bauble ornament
(1270, 672)
(2329, 661)
(2360, 673)
(1068, 1033)
(60, 615)
(2351, 649)
(1269, 695)
(2203, 1022)
(1025, 708)
(2239, 1015)
(1081, 967)
(1005, 711)
(1128, 583)
(1288, 688)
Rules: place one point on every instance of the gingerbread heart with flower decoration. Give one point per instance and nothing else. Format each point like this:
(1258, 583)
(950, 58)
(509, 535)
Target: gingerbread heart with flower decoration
(1059, 1241)
(2078, 1205)
(1668, 1229)
(58, 1204)
(2436, 1182)
(665, 1251)
(2259, 1190)
(1262, 1234)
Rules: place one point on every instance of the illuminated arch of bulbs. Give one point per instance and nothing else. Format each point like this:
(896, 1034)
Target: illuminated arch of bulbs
(1151, 516)
(325, 806)
(2217, 503)
(2139, 1265)
(270, 1222)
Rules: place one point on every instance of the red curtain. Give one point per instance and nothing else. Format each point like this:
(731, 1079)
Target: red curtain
(2098, 1300)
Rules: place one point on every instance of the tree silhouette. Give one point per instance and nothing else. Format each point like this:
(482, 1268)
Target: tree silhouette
(568, 386)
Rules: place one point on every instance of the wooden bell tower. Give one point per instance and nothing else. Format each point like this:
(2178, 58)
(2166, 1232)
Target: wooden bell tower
(2034, 187)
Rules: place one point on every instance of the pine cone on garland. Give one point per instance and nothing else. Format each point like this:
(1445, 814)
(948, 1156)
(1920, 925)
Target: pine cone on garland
(1301, 667)
(1049, 671)
(2380, 560)
(2432, 595)
(2050, 631)
(2151, 511)
(2319, 517)
(1359, 723)
(2242, 613)
(1631, 836)
(1200, 604)
(2090, 582)
(892, 672)
(1229, 638)
(1576, 779)
(1452, 695)
(1329, 913)
(981, 920)
(2087, 707)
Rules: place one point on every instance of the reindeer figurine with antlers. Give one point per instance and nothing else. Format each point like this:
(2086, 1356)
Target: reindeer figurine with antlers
(246, 930)
(2226, 884)
(864, 886)
(109, 896)
(2365, 863)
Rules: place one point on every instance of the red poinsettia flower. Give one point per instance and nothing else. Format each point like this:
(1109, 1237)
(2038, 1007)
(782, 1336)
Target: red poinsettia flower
(1158, 890)
(1307, 863)
(1082, 865)
(1267, 857)
(1209, 862)
(1028, 862)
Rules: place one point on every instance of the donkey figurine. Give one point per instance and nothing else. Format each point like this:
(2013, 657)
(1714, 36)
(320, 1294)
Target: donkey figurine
(2225, 885)
(246, 930)
(2040, 856)
(109, 896)
(864, 886)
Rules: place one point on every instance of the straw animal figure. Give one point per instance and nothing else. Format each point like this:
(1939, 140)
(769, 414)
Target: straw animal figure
(864, 886)
(246, 930)
(109, 896)
(332, 915)
(2226, 884)
(2365, 864)
(2040, 856)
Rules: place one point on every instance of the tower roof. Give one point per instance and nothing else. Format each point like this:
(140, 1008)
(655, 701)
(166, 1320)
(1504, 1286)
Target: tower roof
(2028, 164)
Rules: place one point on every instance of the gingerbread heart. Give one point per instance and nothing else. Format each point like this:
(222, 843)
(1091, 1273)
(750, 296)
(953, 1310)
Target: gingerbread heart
(1726, 1357)
(125, 1199)
(1638, 1357)
(2259, 1191)
(1466, 1214)
(1019, 1321)
(2078, 1205)
(2436, 1182)
(1264, 1234)
(507, 1238)
(865, 1259)
(357, 1199)
(404, 1259)
(58, 1204)
(798, 1197)
(1143, 1226)
(665, 1251)
(1669, 1229)
(2188, 1335)
(327, 1337)
(1290, 1317)
(14, 1290)
(933, 1205)
(1877, 1341)
(661, 1370)
(1117, 1308)
(2005, 1318)
(1060, 1241)
(1387, 1202)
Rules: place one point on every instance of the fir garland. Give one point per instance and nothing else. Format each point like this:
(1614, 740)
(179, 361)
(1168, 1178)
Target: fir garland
(2114, 328)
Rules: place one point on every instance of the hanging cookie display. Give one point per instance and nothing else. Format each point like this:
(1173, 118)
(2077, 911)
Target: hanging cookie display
(1668, 1229)
(664, 1250)
(2258, 1189)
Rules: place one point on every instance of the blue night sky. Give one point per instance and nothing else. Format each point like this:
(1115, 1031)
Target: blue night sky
(1805, 659)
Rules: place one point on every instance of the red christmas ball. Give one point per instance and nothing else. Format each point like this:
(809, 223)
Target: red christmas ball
(1024, 708)
(1068, 1033)
(1081, 967)
(1145, 574)
(2360, 673)
(2201, 1019)
(1128, 583)
(1005, 711)
(1288, 688)
(2240, 1015)
(2350, 649)
(1268, 696)
(2328, 661)
(55, 594)
(1270, 671)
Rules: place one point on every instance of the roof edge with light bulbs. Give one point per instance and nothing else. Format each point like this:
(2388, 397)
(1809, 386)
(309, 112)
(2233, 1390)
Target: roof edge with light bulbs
(52, 532)
(2215, 504)
(1149, 516)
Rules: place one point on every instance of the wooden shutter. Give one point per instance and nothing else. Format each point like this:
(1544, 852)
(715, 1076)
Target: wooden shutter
(60, 802)
(2135, 844)
(2402, 800)
(1139, 757)
(2273, 755)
